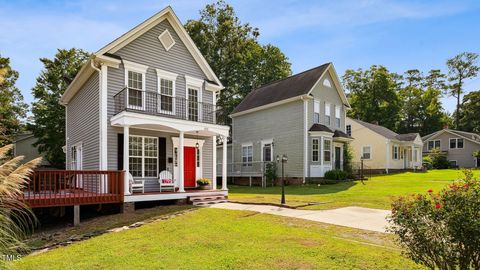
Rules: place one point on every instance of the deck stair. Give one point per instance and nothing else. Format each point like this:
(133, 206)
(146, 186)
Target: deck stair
(207, 199)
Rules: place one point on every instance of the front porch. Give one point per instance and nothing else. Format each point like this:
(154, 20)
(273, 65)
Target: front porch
(154, 149)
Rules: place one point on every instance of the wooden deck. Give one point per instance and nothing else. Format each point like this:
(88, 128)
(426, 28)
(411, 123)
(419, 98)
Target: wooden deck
(48, 188)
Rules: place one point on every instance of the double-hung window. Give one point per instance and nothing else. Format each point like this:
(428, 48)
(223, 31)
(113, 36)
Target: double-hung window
(316, 112)
(327, 150)
(327, 114)
(433, 145)
(247, 155)
(366, 152)
(337, 116)
(166, 90)
(456, 143)
(395, 152)
(143, 156)
(135, 83)
(315, 150)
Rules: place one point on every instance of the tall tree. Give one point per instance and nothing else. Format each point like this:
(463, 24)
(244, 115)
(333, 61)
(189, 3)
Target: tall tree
(232, 50)
(373, 95)
(48, 114)
(410, 95)
(12, 107)
(460, 68)
(470, 117)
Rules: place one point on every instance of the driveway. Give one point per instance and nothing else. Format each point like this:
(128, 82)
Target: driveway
(355, 217)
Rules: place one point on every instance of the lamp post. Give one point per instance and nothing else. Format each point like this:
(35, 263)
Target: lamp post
(283, 159)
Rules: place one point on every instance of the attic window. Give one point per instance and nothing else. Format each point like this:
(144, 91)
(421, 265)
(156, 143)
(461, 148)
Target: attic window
(327, 83)
(166, 39)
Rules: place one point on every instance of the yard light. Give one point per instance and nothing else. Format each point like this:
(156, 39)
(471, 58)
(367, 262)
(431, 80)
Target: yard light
(283, 159)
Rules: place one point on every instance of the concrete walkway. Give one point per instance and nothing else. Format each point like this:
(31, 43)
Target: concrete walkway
(355, 217)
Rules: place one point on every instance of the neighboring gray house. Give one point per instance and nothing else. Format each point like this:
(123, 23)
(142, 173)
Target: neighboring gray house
(145, 103)
(23, 146)
(457, 145)
(302, 116)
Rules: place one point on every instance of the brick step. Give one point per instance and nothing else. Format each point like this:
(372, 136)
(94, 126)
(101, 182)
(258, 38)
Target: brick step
(207, 199)
(202, 198)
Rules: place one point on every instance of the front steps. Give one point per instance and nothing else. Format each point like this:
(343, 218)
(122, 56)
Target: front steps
(207, 199)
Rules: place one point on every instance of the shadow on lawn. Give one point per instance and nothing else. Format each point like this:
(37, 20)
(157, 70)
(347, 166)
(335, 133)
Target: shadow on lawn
(309, 189)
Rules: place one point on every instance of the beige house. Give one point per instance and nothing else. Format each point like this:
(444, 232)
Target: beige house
(457, 145)
(382, 149)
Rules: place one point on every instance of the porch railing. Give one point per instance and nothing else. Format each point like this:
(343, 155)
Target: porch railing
(68, 187)
(153, 103)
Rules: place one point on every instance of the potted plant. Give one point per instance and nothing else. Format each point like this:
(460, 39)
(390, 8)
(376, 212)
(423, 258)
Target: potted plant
(203, 183)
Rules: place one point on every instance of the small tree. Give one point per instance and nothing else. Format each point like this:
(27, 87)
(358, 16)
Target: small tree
(441, 230)
(271, 172)
(15, 218)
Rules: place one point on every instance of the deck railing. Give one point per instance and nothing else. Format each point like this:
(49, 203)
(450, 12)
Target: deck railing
(153, 103)
(68, 187)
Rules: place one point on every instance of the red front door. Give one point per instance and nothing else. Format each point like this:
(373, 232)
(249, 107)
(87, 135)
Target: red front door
(189, 166)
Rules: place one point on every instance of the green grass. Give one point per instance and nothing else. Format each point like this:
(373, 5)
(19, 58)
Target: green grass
(377, 192)
(223, 239)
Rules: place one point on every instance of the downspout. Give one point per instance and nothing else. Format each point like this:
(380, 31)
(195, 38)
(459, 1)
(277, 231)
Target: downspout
(387, 161)
(92, 64)
(305, 139)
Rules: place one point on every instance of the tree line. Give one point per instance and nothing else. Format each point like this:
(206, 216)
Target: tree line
(408, 102)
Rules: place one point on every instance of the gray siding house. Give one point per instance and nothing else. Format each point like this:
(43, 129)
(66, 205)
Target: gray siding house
(457, 145)
(146, 104)
(302, 116)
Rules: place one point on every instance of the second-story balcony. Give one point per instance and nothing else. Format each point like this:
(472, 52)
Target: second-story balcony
(153, 103)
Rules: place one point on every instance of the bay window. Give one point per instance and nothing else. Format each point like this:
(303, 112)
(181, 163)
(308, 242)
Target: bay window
(327, 150)
(315, 149)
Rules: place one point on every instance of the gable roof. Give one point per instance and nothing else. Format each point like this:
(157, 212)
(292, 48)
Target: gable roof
(387, 133)
(284, 89)
(474, 137)
(106, 53)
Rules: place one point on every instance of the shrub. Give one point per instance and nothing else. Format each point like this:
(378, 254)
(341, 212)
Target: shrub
(271, 172)
(336, 175)
(441, 230)
(203, 181)
(347, 160)
(439, 160)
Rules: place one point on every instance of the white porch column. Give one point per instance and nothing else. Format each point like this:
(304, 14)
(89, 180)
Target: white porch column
(224, 164)
(214, 157)
(126, 165)
(181, 178)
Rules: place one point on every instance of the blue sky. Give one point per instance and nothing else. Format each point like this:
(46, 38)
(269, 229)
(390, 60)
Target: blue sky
(350, 33)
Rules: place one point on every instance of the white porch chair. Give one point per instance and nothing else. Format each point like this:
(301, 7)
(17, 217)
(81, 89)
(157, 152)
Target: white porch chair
(166, 181)
(136, 185)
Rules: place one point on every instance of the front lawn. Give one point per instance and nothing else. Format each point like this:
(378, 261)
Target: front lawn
(223, 239)
(374, 193)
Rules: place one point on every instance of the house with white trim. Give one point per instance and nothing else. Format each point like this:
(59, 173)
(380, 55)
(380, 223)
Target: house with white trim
(146, 104)
(383, 150)
(302, 116)
(457, 145)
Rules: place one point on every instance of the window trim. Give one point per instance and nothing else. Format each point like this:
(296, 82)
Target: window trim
(338, 118)
(317, 150)
(197, 84)
(137, 68)
(170, 76)
(363, 152)
(456, 143)
(247, 163)
(143, 155)
(328, 114)
(433, 141)
(329, 150)
(395, 154)
(262, 153)
(316, 110)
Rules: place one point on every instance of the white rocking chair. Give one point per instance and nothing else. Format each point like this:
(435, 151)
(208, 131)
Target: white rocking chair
(166, 181)
(136, 185)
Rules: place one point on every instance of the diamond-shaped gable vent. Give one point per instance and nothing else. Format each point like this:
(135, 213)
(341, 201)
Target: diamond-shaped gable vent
(166, 39)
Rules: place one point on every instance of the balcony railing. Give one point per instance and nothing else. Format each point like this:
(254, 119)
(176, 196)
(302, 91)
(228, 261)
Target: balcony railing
(153, 103)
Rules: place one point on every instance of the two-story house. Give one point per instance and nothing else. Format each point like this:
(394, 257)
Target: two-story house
(145, 104)
(457, 145)
(302, 116)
